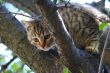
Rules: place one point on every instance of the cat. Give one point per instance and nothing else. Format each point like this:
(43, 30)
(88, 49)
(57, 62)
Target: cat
(39, 35)
(82, 24)
(79, 22)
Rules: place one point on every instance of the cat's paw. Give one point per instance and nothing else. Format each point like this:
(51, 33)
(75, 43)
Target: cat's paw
(91, 50)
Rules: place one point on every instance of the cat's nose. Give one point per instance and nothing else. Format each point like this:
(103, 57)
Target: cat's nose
(42, 44)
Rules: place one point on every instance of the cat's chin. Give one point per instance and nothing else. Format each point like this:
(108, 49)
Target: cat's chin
(45, 49)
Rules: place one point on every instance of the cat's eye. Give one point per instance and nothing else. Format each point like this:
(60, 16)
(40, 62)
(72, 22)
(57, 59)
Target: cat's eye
(47, 36)
(36, 40)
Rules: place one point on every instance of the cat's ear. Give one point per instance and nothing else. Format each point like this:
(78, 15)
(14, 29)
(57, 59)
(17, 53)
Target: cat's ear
(26, 23)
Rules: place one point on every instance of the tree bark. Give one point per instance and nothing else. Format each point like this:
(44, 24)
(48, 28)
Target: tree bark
(26, 5)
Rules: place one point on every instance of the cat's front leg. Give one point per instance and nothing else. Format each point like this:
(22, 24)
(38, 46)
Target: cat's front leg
(93, 47)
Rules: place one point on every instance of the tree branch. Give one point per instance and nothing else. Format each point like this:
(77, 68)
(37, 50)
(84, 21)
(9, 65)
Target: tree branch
(18, 14)
(4, 67)
(25, 5)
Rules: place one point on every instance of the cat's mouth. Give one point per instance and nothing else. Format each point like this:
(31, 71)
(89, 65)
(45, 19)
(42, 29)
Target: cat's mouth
(40, 45)
(43, 46)
(44, 49)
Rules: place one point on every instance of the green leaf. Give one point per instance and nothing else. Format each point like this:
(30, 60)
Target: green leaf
(21, 69)
(55, 1)
(102, 25)
(29, 71)
(2, 60)
(1, 2)
(65, 70)
(15, 67)
(8, 71)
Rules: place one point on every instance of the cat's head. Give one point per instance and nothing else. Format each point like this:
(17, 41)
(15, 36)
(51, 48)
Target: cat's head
(39, 35)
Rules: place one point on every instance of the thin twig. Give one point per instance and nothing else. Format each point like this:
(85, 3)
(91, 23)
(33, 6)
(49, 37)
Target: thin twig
(4, 67)
(102, 56)
(18, 14)
(0, 39)
(107, 21)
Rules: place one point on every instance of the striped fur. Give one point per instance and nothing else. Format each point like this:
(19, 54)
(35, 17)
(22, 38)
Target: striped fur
(82, 26)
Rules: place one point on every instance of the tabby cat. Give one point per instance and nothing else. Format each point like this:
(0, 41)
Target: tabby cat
(82, 26)
(39, 35)
(79, 22)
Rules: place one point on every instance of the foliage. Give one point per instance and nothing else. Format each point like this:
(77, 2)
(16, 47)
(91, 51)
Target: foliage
(65, 70)
(15, 66)
(102, 25)
(1, 2)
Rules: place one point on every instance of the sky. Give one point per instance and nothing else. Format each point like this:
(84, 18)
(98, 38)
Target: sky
(84, 1)
(107, 4)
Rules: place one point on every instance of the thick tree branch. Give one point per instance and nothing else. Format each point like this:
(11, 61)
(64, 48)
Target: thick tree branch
(26, 5)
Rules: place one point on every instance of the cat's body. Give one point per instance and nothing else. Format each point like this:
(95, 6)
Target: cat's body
(81, 25)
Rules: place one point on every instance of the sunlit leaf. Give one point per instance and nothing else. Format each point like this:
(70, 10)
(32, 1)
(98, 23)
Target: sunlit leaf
(29, 71)
(65, 70)
(21, 69)
(2, 60)
(1, 1)
(15, 67)
(102, 25)
(8, 71)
